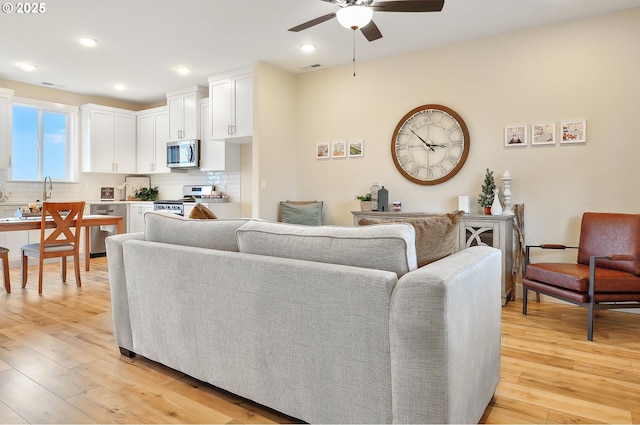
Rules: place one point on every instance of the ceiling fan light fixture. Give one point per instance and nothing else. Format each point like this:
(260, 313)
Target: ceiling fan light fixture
(354, 17)
(27, 66)
(87, 41)
(307, 47)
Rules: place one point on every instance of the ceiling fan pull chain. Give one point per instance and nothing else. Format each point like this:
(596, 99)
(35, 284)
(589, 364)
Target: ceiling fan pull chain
(354, 52)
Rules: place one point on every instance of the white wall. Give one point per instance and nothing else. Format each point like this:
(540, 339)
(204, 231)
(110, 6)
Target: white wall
(585, 69)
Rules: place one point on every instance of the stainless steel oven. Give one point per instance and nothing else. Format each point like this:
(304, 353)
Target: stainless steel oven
(190, 195)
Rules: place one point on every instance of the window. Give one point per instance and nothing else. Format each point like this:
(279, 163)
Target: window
(42, 141)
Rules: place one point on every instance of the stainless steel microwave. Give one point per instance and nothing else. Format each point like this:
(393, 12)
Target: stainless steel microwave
(183, 154)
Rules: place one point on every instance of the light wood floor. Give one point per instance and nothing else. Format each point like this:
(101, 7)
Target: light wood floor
(59, 364)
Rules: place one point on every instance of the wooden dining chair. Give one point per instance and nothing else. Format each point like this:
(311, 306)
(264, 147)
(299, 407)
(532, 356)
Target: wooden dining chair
(62, 241)
(4, 255)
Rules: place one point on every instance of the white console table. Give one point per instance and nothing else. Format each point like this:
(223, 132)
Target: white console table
(475, 229)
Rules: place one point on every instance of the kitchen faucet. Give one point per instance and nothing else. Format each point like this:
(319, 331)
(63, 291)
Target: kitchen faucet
(44, 190)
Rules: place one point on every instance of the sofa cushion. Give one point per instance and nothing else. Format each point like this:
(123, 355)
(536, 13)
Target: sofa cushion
(435, 236)
(390, 247)
(200, 212)
(174, 229)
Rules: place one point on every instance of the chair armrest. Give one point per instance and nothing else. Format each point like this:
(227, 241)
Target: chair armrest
(622, 257)
(543, 246)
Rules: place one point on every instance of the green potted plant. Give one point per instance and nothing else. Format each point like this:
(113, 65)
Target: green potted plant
(146, 193)
(485, 199)
(365, 201)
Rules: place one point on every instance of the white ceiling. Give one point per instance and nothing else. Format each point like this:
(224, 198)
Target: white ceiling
(141, 42)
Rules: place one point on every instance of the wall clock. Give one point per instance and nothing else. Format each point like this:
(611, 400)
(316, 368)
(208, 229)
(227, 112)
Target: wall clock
(430, 144)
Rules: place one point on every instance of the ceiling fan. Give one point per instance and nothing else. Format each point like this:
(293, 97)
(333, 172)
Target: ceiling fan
(370, 29)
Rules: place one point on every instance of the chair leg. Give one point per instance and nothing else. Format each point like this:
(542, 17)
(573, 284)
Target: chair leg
(63, 268)
(40, 271)
(24, 268)
(524, 300)
(5, 267)
(591, 311)
(76, 266)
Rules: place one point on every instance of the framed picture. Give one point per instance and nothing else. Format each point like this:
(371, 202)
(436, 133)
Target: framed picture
(515, 135)
(339, 149)
(574, 131)
(356, 147)
(543, 134)
(322, 151)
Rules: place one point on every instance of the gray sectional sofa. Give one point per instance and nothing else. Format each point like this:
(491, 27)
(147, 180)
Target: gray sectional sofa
(325, 324)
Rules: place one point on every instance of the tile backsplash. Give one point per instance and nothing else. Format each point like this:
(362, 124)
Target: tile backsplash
(88, 186)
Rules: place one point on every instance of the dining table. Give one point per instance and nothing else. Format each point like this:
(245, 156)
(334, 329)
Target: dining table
(88, 221)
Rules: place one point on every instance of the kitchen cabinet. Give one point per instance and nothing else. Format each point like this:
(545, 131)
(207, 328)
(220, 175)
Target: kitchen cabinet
(135, 218)
(108, 141)
(216, 155)
(231, 106)
(153, 135)
(6, 106)
(184, 112)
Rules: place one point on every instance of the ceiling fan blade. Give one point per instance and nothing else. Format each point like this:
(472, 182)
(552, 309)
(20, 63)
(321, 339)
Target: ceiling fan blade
(371, 31)
(313, 22)
(408, 6)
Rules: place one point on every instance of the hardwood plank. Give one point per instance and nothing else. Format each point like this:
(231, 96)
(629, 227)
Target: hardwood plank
(9, 416)
(34, 403)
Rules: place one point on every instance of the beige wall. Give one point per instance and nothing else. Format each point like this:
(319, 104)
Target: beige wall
(274, 140)
(585, 69)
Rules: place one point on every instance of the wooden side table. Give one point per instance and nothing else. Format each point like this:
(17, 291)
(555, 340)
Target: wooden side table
(475, 229)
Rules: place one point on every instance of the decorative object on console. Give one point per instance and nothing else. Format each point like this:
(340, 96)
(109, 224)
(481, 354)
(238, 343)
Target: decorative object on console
(383, 200)
(463, 204)
(496, 207)
(443, 138)
(365, 201)
(485, 199)
(374, 196)
(397, 206)
(506, 193)
(200, 212)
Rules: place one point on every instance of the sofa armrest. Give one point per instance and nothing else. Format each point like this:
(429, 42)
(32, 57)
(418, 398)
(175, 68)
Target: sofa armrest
(118, 287)
(445, 338)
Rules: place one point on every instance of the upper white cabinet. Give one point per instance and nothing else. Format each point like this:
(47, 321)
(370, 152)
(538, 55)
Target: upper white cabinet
(153, 135)
(231, 105)
(216, 155)
(108, 139)
(6, 106)
(184, 112)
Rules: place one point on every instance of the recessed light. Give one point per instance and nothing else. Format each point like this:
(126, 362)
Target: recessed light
(120, 87)
(307, 47)
(87, 41)
(183, 70)
(26, 66)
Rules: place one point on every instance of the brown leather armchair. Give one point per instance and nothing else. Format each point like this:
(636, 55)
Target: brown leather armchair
(607, 272)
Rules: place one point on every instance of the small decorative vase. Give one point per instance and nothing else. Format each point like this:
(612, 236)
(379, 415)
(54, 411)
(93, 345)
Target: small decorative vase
(487, 210)
(496, 208)
(365, 205)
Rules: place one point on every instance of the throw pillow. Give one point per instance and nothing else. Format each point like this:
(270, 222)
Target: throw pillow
(436, 236)
(200, 212)
(309, 214)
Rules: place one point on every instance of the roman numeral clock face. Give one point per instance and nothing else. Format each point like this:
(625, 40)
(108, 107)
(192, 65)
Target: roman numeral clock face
(430, 144)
